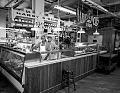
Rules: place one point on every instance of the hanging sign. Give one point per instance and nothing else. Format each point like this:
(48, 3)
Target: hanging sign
(93, 21)
(25, 13)
(88, 19)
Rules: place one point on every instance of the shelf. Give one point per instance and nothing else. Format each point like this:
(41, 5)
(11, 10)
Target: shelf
(23, 23)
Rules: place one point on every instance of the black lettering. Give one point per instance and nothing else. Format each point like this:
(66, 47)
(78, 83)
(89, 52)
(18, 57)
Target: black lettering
(24, 14)
(28, 15)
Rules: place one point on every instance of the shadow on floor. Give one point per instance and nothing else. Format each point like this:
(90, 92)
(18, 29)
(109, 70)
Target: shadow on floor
(98, 83)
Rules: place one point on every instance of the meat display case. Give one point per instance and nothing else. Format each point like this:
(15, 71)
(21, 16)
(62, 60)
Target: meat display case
(83, 49)
(12, 64)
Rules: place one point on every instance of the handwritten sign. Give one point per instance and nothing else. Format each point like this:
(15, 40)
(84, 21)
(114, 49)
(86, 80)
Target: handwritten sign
(94, 21)
(25, 13)
(88, 19)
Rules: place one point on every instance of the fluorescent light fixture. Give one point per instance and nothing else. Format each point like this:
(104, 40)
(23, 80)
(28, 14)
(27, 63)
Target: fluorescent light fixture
(93, 4)
(97, 6)
(81, 31)
(64, 9)
(96, 32)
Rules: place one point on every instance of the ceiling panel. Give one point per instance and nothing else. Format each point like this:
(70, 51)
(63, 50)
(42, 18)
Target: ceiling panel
(3, 2)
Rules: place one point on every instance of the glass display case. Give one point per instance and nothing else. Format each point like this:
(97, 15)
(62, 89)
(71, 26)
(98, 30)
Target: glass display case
(77, 50)
(13, 61)
(85, 48)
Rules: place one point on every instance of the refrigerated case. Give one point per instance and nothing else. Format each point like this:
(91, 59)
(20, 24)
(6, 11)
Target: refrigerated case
(82, 49)
(85, 48)
(12, 65)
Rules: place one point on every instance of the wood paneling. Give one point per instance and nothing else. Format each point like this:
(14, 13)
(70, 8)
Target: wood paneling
(108, 37)
(47, 78)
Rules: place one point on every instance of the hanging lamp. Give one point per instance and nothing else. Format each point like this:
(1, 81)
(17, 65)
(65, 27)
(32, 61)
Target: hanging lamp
(81, 25)
(58, 26)
(81, 30)
(96, 32)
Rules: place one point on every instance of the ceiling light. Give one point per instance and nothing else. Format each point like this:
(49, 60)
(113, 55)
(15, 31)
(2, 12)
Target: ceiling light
(93, 4)
(81, 31)
(64, 9)
(96, 32)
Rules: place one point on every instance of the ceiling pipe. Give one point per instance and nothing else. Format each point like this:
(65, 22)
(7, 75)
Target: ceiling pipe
(19, 3)
(98, 7)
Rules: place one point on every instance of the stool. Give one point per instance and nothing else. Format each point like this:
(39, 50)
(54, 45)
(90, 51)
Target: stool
(67, 79)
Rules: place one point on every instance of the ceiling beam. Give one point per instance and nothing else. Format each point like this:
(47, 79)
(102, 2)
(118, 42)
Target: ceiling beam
(110, 4)
(8, 3)
(56, 3)
(46, 2)
(109, 15)
(19, 3)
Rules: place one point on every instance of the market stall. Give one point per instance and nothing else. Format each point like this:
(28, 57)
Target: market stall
(28, 72)
(35, 54)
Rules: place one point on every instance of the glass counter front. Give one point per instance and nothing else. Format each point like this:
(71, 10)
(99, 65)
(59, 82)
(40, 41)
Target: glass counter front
(13, 61)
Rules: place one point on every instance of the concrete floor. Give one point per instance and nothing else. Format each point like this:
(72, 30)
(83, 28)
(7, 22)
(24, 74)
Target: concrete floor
(95, 83)
(6, 86)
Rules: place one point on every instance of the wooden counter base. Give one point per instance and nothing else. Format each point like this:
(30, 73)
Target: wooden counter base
(46, 78)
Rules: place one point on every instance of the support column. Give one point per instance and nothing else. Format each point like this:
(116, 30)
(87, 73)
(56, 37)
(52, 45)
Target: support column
(38, 6)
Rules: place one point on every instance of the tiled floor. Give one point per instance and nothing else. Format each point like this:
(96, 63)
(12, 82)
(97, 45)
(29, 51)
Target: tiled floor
(95, 83)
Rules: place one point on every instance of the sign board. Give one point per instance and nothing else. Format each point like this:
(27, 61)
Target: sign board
(88, 19)
(23, 13)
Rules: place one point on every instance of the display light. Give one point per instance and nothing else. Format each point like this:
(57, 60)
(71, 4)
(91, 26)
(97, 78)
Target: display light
(64, 9)
(81, 31)
(96, 33)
